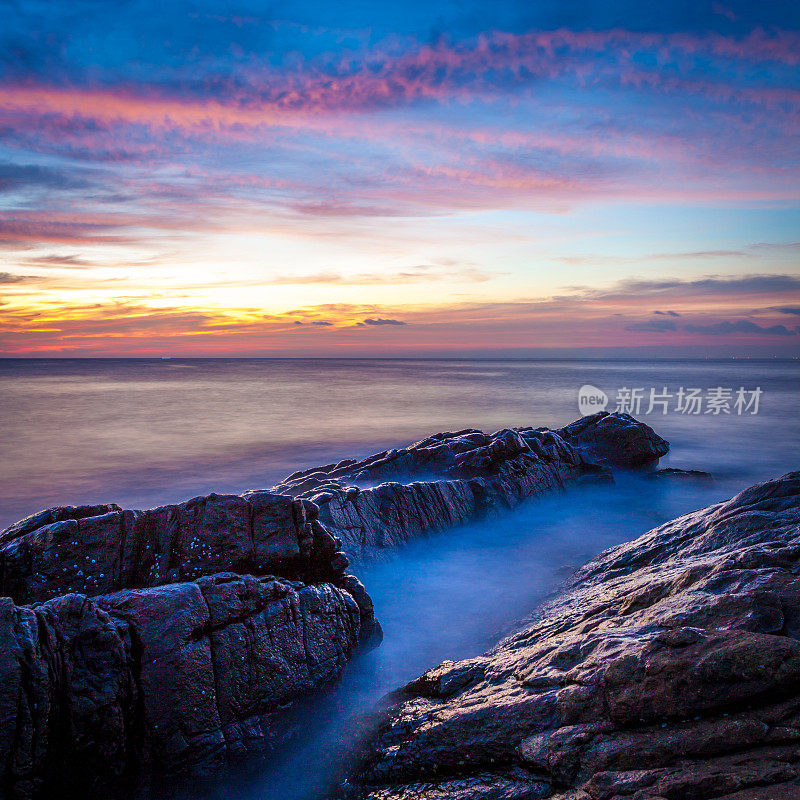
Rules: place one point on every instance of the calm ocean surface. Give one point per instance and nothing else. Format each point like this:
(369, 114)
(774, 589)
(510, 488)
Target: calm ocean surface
(145, 432)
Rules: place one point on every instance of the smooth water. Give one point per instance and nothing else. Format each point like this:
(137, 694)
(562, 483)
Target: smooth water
(146, 432)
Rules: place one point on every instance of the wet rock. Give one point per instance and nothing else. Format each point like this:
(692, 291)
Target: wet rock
(149, 647)
(672, 473)
(99, 692)
(451, 478)
(98, 549)
(173, 639)
(615, 438)
(667, 668)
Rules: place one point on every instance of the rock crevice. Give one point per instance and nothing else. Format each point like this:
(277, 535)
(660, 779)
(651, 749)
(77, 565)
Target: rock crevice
(165, 641)
(668, 667)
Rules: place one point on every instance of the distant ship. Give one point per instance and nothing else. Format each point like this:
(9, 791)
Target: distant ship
(166, 358)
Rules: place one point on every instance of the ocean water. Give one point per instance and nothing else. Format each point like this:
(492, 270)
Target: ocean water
(145, 432)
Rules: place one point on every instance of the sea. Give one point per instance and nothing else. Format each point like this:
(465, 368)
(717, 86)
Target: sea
(143, 432)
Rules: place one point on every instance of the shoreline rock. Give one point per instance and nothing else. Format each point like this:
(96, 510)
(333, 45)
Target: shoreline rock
(453, 478)
(138, 644)
(668, 667)
(99, 692)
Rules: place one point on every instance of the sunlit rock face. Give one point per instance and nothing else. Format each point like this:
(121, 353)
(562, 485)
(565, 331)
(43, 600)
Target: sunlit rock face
(451, 478)
(668, 667)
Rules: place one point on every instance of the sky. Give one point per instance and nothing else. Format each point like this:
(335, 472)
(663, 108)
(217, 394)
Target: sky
(480, 177)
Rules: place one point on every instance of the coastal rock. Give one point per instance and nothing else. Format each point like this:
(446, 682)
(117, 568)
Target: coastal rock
(452, 478)
(668, 667)
(170, 640)
(97, 692)
(99, 549)
(672, 473)
(616, 439)
(149, 647)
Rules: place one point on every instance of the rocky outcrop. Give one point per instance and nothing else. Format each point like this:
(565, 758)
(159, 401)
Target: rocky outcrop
(97, 692)
(667, 669)
(99, 549)
(616, 439)
(452, 478)
(151, 650)
(138, 643)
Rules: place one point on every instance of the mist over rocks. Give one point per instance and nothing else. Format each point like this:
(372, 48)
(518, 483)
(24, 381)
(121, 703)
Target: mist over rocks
(667, 668)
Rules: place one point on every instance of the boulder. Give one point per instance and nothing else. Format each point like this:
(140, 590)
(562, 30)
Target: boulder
(616, 439)
(667, 667)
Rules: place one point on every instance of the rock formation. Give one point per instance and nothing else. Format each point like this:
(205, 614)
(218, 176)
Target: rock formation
(151, 649)
(452, 478)
(137, 643)
(667, 669)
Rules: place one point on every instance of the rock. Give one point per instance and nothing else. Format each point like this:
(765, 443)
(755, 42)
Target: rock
(672, 473)
(99, 691)
(152, 650)
(617, 439)
(452, 478)
(137, 643)
(99, 549)
(667, 667)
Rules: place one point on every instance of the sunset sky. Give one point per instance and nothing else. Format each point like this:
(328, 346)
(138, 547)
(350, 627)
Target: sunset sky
(399, 178)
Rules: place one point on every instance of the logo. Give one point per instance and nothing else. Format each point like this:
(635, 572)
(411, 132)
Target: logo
(591, 400)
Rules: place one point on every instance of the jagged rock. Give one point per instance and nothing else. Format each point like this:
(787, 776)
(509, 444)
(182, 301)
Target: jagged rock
(147, 654)
(452, 478)
(99, 691)
(150, 648)
(615, 439)
(672, 473)
(668, 668)
(98, 549)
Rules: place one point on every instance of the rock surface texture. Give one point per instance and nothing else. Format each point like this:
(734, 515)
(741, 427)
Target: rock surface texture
(667, 669)
(452, 478)
(148, 647)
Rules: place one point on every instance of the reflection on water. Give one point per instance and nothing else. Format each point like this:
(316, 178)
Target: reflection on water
(145, 432)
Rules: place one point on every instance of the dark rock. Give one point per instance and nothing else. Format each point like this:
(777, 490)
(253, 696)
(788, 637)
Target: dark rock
(190, 664)
(667, 668)
(617, 439)
(98, 549)
(452, 478)
(151, 648)
(160, 681)
(672, 473)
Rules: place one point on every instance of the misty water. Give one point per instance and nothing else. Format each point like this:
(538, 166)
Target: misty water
(141, 433)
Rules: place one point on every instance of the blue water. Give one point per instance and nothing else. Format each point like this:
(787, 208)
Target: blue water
(146, 432)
